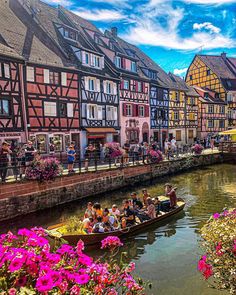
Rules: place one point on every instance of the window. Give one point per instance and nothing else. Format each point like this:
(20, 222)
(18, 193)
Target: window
(221, 123)
(190, 134)
(108, 87)
(70, 110)
(206, 95)
(210, 109)
(139, 86)
(191, 116)
(111, 113)
(176, 96)
(229, 97)
(63, 109)
(41, 143)
(91, 85)
(222, 109)
(176, 116)
(141, 111)
(126, 84)
(30, 74)
(5, 108)
(152, 74)
(191, 77)
(57, 141)
(178, 135)
(50, 109)
(85, 58)
(53, 78)
(111, 45)
(192, 101)
(118, 61)
(70, 34)
(208, 72)
(96, 61)
(133, 66)
(92, 112)
(96, 39)
(128, 110)
(210, 124)
(5, 70)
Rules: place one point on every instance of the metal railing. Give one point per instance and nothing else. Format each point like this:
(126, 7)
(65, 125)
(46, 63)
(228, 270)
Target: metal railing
(227, 146)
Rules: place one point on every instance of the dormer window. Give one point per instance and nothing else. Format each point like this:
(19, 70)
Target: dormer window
(133, 66)
(118, 61)
(206, 95)
(152, 75)
(70, 34)
(92, 60)
(111, 45)
(208, 72)
(96, 61)
(130, 52)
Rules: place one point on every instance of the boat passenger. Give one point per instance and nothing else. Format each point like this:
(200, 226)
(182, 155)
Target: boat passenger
(151, 210)
(137, 204)
(99, 226)
(157, 204)
(129, 215)
(88, 224)
(89, 211)
(115, 211)
(110, 221)
(170, 192)
(145, 196)
(97, 210)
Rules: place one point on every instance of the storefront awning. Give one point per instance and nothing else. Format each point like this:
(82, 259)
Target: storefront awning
(228, 132)
(101, 130)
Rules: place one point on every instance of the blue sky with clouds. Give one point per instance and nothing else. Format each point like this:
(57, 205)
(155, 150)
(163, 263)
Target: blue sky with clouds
(170, 32)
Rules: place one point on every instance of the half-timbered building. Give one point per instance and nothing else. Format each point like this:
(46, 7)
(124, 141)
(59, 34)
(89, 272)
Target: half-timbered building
(183, 111)
(212, 113)
(218, 74)
(11, 104)
(50, 80)
(98, 81)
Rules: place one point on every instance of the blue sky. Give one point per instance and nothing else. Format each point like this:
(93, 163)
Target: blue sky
(170, 32)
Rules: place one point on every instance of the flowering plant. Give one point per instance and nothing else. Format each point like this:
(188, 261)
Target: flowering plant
(219, 241)
(197, 149)
(155, 156)
(44, 169)
(113, 149)
(28, 265)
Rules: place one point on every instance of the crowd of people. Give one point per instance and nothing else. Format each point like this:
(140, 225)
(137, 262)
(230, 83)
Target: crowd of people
(133, 211)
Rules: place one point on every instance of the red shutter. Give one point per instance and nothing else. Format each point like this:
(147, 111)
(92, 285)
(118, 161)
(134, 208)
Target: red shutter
(124, 109)
(146, 111)
(123, 63)
(134, 108)
(136, 85)
(122, 84)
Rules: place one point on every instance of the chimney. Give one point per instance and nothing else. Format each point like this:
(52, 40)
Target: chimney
(223, 55)
(114, 31)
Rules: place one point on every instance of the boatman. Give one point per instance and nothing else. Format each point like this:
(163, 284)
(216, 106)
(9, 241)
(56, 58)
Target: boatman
(170, 192)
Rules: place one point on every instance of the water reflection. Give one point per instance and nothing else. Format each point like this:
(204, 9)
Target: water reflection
(166, 253)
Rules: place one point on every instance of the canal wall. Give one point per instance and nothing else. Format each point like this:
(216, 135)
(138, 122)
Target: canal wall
(30, 196)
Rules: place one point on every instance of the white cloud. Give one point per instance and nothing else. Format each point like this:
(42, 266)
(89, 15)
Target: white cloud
(208, 26)
(117, 3)
(64, 3)
(100, 15)
(209, 2)
(150, 30)
(180, 72)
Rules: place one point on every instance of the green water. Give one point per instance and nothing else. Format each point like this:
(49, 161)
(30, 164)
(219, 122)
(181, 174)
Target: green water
(166, 254)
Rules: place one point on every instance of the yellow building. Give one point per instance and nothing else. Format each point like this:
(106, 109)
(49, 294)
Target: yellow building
(183, 111)
(218, 74)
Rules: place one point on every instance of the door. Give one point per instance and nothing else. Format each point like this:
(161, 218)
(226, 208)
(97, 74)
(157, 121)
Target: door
(145, 137)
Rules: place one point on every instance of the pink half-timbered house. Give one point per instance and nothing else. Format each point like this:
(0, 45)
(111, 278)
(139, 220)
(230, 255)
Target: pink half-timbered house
(212, 113)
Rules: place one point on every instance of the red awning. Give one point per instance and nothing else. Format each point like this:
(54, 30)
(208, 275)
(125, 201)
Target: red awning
(96, 136)
(100, 130)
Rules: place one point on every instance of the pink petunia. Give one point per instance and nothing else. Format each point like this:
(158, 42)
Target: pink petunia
(80, 247)
(81, 279)
(216, 215)
(16, 264)
(12, 291)
(44, 283)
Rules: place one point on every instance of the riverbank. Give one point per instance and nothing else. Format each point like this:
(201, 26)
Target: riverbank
(31, 196)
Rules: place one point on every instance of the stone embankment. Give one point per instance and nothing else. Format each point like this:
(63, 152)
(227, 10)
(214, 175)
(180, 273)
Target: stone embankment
(29, 196)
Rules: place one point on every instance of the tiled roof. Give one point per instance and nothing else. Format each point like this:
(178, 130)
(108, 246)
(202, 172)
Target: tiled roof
(223, 67)
(211, 98)
(33, 36)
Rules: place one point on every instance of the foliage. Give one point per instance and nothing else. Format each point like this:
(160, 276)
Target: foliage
(112, 150)
(155, 156)
(28, 265)
(72, 226)
(44, 169)
(197, 149)
(219, 242)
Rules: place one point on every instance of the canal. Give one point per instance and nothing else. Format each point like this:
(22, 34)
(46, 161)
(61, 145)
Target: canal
(166, 254)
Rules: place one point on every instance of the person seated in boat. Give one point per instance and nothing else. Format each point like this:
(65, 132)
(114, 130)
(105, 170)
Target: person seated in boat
(157, 204)
(171, 193)
(145, 196)
(137, 204)
(99, 226)
(129, 215)
(151, 210)
(97, 210)
(110, 221)
(88, 224)
(115, 211)
(89, 211)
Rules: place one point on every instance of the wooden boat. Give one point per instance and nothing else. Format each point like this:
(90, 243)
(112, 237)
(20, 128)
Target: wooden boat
(96, 238)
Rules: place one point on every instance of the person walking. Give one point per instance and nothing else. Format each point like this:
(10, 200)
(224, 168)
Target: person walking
(29, 153)
(126, 147)
(212, 143)
(4, 159)
(71, 158)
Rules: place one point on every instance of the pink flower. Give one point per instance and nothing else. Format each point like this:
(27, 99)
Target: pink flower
(85, 260)
(16, 264)
(201, 265)
(81, 279)
(63, 286)
(216, 215)
(80, 247)
(44, 283)
(208, 272)
(75, 290)
(65, 249)
(12, 291)
(111, 242)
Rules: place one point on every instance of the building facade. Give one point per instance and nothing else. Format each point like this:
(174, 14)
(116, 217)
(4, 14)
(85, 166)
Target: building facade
(183, 111)
(218, 74)
(212, 115)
